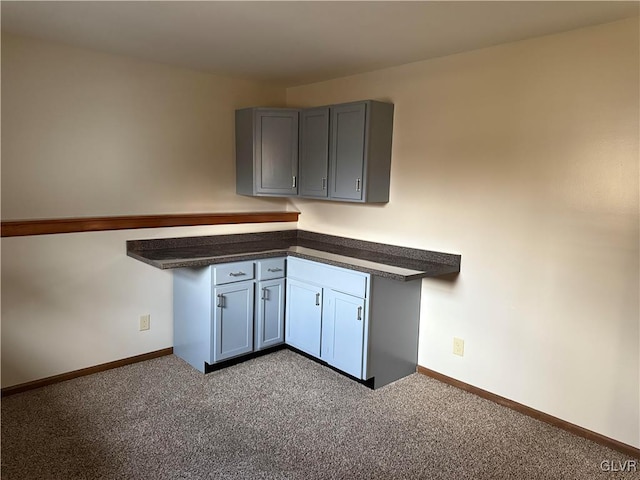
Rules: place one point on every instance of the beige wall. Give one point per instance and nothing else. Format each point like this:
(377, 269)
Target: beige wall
(524, 159)
(85, 134)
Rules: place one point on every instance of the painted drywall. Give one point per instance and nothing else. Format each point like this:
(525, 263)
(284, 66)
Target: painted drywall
(524, 159)
(88, 134)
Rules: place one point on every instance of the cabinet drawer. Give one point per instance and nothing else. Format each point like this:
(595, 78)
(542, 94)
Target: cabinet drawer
(232, 272)
(271, 268)
(338, 279)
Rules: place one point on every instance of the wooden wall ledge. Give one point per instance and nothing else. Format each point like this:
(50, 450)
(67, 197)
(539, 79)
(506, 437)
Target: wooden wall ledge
(19, 228)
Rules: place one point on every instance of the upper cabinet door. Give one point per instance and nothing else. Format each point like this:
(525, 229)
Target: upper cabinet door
(267, 151)
(314, 152)
(347, 151)
(276, 152)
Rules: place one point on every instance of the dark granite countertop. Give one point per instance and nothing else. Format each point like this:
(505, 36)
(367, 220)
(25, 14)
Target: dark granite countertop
(398, 263)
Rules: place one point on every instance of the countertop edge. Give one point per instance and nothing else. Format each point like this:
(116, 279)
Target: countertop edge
(443, 269)
(402, 263)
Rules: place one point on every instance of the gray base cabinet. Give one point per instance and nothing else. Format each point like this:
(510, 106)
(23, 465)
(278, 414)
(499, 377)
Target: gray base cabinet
(217, 314)
(367, 325)
(361, 324)
(332, 302)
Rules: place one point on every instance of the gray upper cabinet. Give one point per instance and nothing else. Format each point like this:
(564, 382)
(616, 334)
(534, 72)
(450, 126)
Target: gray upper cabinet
(357, 140)
(314, 152)
(344, 152)
(267, 151)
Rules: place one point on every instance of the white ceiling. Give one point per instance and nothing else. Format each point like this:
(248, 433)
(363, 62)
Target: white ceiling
(294, 43)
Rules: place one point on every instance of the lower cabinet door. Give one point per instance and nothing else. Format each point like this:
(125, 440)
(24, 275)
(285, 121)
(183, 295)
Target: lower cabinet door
(343, 332)
(233, 320)
(270, 313)
(304, 316)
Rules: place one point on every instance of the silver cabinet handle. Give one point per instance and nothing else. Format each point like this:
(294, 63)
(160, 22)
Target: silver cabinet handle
(265, 295)
(220, 300)
(357, 184)
(317, 299)
(274, 269)
(324, 183)
(239, 274)
(359, 313)
(294, 182)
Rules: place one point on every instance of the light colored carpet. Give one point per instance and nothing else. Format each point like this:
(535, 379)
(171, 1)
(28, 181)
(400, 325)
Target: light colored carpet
(281, 416)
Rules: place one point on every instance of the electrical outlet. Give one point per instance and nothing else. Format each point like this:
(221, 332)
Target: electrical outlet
(145, 322)
(458, 346)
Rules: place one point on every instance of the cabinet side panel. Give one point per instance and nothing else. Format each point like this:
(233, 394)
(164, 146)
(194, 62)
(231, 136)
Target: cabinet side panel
(379, 138)
(192, 315)
(244, 152)
(394, 318)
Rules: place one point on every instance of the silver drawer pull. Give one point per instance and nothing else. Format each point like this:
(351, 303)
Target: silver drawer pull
(274, 269)
(357, 184)
(294, 183)
(359, 313)
(317, 299)
(220, 300)
(239, 274)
